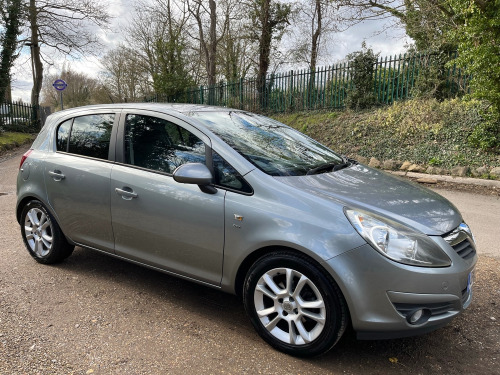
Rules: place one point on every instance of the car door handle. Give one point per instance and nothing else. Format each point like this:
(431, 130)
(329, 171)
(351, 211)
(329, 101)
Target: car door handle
(126, 193)
(57, 175)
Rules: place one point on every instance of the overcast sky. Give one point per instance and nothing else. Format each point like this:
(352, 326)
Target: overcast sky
(388, 42)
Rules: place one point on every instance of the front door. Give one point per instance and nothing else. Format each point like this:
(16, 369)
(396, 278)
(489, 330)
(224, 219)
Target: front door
(157, 221)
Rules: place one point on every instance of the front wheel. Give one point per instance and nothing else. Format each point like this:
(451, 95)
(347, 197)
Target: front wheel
(294, 305)
(42, 236)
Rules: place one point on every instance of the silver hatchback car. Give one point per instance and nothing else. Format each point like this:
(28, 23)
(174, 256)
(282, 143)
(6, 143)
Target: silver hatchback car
(311, 240)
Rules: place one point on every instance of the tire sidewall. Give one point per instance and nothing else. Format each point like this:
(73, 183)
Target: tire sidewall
(53, 254)
(335, 307)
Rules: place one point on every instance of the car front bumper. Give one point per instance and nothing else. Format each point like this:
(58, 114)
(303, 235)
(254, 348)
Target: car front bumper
(382, 294)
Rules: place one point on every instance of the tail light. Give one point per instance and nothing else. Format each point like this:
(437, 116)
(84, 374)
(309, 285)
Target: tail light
(25, 156)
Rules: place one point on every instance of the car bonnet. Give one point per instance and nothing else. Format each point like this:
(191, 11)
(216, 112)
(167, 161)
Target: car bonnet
(362, 187)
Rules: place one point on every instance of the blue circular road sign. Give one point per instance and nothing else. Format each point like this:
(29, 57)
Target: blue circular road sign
(59, 84)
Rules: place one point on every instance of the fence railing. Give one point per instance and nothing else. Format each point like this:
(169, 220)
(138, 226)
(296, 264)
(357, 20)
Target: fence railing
(394, 78)
(18, 116)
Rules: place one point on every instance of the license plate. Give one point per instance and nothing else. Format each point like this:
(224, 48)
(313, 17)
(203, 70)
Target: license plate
(470, 280)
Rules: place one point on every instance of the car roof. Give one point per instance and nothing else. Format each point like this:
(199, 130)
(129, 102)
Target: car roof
(175, 109)
(160, 107)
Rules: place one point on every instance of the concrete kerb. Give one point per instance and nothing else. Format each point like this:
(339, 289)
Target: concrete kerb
(451, 179)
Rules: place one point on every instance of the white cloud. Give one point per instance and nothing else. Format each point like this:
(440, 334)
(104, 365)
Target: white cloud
(376, 36)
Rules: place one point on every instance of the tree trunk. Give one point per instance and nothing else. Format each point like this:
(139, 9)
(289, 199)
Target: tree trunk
(315, 37)
(314, 53)
(264, 50)
(212, 53)
(9, 45)
(209, 47)
(36, 58)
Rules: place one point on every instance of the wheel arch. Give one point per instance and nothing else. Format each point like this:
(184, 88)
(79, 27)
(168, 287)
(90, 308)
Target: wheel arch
(28, 198)
(23, 202)
(259, 253)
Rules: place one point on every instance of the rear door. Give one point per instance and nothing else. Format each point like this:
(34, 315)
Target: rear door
(157, 221)
(77, 177)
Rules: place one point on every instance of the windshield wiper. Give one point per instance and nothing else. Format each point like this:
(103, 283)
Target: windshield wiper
(334, 166)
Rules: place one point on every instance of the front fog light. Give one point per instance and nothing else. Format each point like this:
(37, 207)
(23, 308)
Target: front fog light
(418, 316)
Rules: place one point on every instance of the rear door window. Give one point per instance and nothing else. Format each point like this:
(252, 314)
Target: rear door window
(90, 135)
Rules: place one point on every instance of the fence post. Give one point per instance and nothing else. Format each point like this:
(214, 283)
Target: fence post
(241, 93)
(344, 83)
(221, 93)
(397, 75)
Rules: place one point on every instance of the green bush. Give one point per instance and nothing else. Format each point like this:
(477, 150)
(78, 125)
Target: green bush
(486, 135)
(361, 63)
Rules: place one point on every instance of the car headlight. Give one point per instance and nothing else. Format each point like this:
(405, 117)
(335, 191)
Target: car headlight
(396, 241)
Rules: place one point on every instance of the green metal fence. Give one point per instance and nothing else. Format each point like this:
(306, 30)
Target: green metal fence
(394, 78)
(18, 116)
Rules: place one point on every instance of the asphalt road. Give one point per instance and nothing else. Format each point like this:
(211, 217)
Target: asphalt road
(96, 314)
(482, 214)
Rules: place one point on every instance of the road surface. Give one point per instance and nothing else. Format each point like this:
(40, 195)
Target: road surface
(94, 314)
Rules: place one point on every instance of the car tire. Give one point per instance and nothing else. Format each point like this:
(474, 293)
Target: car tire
(294, 305)
(42, 236)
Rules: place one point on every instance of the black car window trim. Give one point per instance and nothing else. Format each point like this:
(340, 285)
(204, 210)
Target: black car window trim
(87, 157)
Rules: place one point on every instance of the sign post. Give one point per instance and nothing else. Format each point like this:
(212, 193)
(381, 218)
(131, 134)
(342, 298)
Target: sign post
(60, 85)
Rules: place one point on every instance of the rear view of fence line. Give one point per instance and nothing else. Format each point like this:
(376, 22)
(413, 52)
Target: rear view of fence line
(19, 116)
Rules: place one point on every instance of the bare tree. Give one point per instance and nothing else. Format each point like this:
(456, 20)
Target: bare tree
(236, 48)
(64, 26)
(270, 17)
(10, 13)
(314, 22)
(125, 77)
(425, 21)
(158, 37)
(203, 15)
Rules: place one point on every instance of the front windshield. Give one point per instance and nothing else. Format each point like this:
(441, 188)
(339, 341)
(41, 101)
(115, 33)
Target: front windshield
(271, 146)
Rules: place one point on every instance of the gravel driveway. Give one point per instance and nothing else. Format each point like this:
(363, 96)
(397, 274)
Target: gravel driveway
(94, 314)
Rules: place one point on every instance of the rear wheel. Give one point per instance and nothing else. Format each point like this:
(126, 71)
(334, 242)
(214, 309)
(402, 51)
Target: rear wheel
(294, 305)
(42, 236)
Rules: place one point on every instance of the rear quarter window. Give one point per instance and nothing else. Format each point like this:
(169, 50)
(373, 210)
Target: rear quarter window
(63, 135)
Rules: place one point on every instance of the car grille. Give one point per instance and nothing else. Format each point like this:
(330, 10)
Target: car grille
(460, 240)
(465, 249)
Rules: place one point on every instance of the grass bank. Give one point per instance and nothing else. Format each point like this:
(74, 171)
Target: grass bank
(425, 132)
(9, 140)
